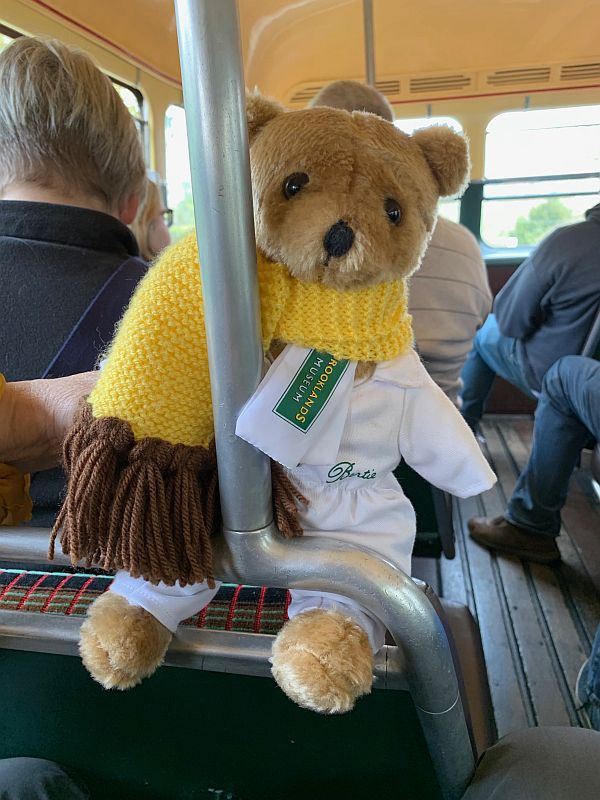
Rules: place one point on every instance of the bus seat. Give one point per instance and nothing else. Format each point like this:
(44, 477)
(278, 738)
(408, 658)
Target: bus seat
(467, 651)
(591, 346)
(595, 463)
(591, 349)
(595, 470)
(427, 738)
(243, 610)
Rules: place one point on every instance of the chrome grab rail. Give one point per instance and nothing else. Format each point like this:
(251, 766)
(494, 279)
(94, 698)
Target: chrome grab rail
(213, 89)
(28, 545)
(203, 650)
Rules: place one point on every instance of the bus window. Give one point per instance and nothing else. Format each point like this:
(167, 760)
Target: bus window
(134, 103)
(179, 184)
(541, 170)
(449, 207)
(4, 40)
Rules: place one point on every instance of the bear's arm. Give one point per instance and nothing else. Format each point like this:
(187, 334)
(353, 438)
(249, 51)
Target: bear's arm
(438, 444)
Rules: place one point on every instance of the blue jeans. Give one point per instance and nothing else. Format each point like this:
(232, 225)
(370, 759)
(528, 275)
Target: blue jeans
(566, 420)
(492, 354)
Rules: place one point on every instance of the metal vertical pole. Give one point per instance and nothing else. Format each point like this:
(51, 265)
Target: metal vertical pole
(369, 42)
(213, 90)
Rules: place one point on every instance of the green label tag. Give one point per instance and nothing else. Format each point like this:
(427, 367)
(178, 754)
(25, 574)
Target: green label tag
(310, 389)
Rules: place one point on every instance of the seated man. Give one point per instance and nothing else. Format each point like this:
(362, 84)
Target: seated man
(545, 311)
(449, 295)
(69, 185)
(449, 299)
(567, 419)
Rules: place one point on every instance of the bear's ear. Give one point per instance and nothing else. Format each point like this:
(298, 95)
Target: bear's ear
(447, 154)
(259, 111)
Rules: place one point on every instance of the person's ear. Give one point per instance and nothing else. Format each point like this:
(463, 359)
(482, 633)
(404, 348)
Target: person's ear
(129, 208)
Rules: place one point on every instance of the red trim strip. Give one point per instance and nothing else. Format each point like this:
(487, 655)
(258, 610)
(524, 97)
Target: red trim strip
(30, 591)
(492, 94)
(288, 600)
(75, 599)
(115, 46)
(259, 608)
(232, 605)
(53, 594)
(201, 621)
(9, 586)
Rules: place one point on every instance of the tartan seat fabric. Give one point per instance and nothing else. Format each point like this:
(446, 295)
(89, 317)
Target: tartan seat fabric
(247, 609)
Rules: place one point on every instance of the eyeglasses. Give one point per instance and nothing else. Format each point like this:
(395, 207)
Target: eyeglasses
(167, 215)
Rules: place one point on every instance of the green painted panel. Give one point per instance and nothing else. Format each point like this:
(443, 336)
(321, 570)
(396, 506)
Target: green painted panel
(186, 734)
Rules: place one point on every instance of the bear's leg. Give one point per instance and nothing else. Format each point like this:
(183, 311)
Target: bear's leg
(127, 630)
(323, 657)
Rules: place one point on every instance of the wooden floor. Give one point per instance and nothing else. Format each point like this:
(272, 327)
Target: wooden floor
(537, 622)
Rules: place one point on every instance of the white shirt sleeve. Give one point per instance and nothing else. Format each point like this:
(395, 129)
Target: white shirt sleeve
(438, 444)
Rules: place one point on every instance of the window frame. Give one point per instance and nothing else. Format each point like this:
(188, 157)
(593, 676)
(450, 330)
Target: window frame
(496, 253)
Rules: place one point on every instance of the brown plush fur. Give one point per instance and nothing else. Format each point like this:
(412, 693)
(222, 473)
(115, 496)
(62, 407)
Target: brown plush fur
(121, 644)
(354, 163)
(323, 661)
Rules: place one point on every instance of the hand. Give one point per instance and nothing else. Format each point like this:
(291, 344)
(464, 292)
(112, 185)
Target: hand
(35, 417)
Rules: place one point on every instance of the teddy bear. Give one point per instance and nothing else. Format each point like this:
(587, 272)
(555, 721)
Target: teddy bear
(344, 206)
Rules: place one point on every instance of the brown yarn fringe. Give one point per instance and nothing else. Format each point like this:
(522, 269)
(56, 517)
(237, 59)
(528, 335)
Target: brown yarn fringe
(148, 507)
(286, 497)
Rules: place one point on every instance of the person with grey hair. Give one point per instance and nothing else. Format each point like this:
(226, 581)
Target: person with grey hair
(353, 96)
(449, 294)
(72, 173)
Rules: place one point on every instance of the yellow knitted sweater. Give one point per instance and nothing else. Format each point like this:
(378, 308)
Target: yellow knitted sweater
(156, 376)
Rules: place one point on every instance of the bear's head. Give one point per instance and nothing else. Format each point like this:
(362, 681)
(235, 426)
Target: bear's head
(347, 199)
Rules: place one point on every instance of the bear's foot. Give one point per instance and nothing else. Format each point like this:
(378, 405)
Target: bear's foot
(121, 644)
(323, 661)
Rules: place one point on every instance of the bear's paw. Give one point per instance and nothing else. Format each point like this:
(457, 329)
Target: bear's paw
(323, 661)
(121, 644)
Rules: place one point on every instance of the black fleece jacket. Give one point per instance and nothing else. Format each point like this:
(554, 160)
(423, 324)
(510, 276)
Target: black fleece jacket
(550, 302)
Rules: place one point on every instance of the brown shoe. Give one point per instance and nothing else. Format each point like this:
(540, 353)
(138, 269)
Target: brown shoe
(496, 533)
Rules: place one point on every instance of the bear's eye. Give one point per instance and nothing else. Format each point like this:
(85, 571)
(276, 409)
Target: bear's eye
(393, 210)
(293, 183)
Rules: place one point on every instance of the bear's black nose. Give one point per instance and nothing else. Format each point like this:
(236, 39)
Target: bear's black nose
(338, 239)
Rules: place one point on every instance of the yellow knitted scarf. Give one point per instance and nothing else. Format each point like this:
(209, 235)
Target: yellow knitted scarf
(156, 376)
(142, 492)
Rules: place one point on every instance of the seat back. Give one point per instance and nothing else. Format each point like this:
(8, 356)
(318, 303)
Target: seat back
(187, 734)
(595, 464)
(216, 730)
(591, 346)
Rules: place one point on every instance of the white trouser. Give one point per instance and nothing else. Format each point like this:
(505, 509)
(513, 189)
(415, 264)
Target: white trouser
(172, 604)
